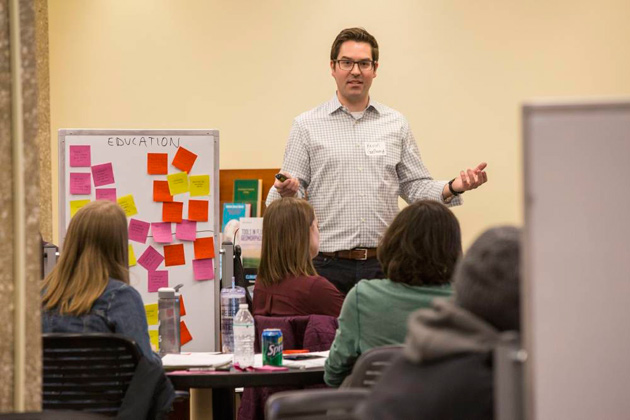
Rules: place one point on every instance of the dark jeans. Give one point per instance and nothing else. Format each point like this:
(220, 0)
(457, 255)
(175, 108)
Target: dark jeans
(344, 274)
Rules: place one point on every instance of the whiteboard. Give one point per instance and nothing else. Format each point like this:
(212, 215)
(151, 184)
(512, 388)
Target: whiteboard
(127, 151)
(576, 296)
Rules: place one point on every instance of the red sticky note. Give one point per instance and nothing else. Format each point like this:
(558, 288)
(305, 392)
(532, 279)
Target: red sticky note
(186, 230)
(80, 156)
(184, 159)
(138, 230)
(106, 194)
(150, 259)
(198, 210)
(161, 191)
(184, 334)
(182, 307)
(172, 212)
(157, 163)
(203, 269)
(80, 183)
(157, 279)
(103, 174)
(174, 255)
(204, 248)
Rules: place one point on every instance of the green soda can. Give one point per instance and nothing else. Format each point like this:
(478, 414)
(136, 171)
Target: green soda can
(272, 347)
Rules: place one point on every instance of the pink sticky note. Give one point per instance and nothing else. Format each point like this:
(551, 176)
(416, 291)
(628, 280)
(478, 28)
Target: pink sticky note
(162, 232)
(186, 230)
(157, 279)
(203, 269)
(150, 259)
(103, 174)
(80, 183)
(106, 194)
(138, 230)
(80, 156)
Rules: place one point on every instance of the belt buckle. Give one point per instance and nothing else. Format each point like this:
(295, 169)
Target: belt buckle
(365, 253)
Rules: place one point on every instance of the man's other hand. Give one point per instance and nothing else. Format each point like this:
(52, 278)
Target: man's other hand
(289, 187)
(471, 178)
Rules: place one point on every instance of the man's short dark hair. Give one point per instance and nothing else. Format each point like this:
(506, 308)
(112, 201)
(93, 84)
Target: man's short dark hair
(487, 279)
(422, 245)
(357, 35)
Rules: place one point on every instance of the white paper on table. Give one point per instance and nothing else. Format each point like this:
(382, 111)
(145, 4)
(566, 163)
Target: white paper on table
(196, 359)
(299, 364)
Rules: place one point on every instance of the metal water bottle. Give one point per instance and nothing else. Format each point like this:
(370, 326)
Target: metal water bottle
(168, 317)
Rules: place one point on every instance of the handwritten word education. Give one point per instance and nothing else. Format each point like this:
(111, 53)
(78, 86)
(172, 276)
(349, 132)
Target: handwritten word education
(143, 141)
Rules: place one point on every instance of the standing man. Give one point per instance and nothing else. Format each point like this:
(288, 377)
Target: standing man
(352, 157)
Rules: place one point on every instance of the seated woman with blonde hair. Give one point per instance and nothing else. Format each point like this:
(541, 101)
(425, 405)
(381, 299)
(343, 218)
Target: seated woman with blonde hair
(88, 290)
(287, 283)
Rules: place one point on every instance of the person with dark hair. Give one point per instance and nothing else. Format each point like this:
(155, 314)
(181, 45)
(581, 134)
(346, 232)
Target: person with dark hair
(418, 253)
(446, 368)
(353, 157)
(287, 283)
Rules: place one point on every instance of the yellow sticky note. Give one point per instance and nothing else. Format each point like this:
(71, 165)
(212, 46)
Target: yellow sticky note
(199, 185)
(128, 205)
(75, 205)
(152, 313)
(155, 341)
(132, 257)
(177, 183)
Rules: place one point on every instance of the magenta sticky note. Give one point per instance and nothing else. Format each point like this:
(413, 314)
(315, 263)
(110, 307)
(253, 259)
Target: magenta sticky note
(203, 269)
(162, 232)
(150, 259)
(103, 174)
(138, 230)
(80, 183)
(157, 279)
(106, 194)
(80, 156)
(186, 230)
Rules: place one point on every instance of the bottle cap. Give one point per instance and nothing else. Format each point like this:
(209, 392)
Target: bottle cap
(166, 293)
(243, 306)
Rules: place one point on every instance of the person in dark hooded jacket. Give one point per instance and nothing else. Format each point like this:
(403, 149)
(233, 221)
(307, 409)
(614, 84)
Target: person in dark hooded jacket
(446, 368)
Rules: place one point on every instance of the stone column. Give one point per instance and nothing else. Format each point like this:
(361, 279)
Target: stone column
(20, 247)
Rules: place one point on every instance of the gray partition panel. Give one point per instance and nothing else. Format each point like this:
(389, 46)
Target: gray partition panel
(577, 260)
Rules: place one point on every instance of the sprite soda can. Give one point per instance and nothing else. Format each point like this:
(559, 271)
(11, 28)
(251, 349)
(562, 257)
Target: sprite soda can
(272, 347)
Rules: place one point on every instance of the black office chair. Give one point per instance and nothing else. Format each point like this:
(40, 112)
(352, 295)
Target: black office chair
(370, 366)
(87, 372)
(317, 404)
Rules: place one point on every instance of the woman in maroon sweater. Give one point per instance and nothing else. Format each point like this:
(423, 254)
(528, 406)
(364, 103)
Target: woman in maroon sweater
(287, 283)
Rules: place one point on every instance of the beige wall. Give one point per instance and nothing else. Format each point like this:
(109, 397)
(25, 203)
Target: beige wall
(458, 70)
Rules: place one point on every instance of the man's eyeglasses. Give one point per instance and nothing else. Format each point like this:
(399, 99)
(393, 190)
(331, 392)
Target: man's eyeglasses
(348, 65)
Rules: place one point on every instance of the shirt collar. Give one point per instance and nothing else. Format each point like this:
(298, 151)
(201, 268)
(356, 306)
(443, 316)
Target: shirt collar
(334, 105)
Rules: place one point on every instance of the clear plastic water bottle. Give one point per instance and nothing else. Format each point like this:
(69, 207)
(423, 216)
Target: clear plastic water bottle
(231, 298)
(168, 317)
(244, 337)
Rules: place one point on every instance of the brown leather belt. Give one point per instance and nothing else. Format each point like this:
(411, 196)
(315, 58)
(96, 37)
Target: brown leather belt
(360, 254)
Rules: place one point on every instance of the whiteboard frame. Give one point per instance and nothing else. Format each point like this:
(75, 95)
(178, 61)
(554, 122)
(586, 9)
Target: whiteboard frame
(214, 192)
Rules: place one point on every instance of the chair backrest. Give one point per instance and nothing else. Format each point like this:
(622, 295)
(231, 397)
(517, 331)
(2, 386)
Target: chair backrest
(370, 366)
(87, 372)
(317, 404)
(313, 332)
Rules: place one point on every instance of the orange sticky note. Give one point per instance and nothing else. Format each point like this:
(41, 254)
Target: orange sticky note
(198, 210)
(182, 307)
(174, 255)
(204, 248)
(157, 163)
(161, 191)
(172, 212)
(184, 334)
(184, 159)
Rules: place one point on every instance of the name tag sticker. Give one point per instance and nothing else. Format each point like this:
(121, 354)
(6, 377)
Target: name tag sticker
(375, 148)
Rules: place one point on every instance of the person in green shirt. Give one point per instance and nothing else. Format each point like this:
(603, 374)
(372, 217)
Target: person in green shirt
(418, 254)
